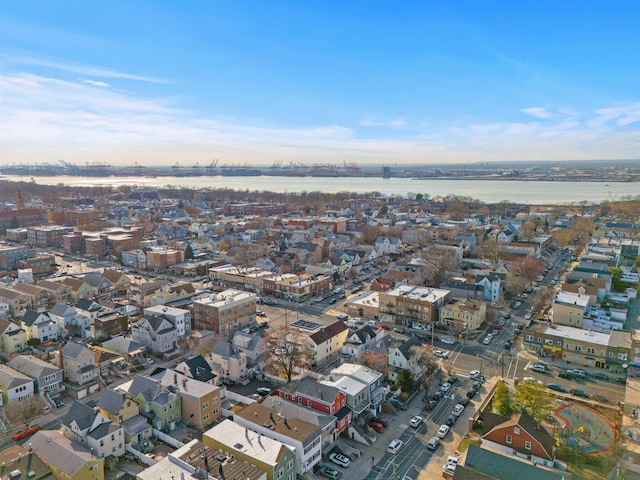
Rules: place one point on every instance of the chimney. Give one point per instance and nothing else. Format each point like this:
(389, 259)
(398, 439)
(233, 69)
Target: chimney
(175, 378)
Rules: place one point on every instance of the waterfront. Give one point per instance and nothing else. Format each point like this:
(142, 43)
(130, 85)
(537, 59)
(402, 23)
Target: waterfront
(489, 191)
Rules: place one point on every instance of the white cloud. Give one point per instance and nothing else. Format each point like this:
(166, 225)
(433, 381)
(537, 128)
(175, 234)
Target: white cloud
(538, 112)
(394, 123)
(95, 83)
(625, 114)
(80, 69)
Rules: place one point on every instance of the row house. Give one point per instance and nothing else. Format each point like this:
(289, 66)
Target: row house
(326, 343)
(594, 288)
(48, 378)
(225, 311)
(39, 265)
(358, 342)
(411, 305)
(160, 292)
(389, 245)
(57, 292)
(300, 288)
(570, 309)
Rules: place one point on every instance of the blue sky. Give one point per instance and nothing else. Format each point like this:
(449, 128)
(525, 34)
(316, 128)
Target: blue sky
(318, 81)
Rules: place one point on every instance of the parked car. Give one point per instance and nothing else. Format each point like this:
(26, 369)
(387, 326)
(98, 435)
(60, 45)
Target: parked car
(438, 395)
(339, 459)
(449, 468)
(539, 368)
(556, 387)
(381, 421)
(464, 401)
(261, 313)
(377, 427)
(445, 387)
(457, 410)
(264, 391)
(327, 472)
(441, 354)
(59, 403)
(149, 361)
(580, 372)
(453, 379)
(433, 443)
(416, 421)
(474, 374)
(471, 393)
(448, 341)
(600, 375)
(566, 374)
(578, 392)
(442, 431)
(398, 404)
(451, 419)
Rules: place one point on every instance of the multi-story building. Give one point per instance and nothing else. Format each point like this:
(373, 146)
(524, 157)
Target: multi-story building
(411, 305)
(224, 312)
(78, 361)
(41, 326)
(463, 314)
(229, 362)
(47, 236)
(310, 393)
(570, 308)
(116, 406)
(179, 317)
(93, 430)
(47, 377)
(325, 344)
(273, 457)
(13, 338)
(162, 407)
(302, 437)
(39, 265)
(15, 386)
(361, 385)
(38, 298)
(17, 302)
(200, 402)
(57, 292)
(10, 256)
(159, 258)
(157, 333)
(67, 459)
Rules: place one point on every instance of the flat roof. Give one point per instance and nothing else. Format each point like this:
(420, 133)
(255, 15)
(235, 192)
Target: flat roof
(570, 298)
(415, 292)
(572, 333)
(249, 442)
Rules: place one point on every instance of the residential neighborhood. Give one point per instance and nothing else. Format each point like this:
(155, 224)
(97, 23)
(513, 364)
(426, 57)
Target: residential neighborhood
(377, 337)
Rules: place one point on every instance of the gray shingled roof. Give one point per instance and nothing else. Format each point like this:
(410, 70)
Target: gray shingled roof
(57, 450)
(73, 349)
(80, 413)
(143, 385)
(10, 378)
(112, 401)
(32, 366)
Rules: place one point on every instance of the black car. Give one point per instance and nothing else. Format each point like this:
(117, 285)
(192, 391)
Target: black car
(438, 395)
(464, 401)
(430, 405)
(472, 393)
(453, 379)
(476, 385)
(566, 374)
(450, 420)
(600, 375)
(507, 346)
(578, 392)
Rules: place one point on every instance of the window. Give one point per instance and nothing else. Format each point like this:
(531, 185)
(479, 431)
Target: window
(610, 354)
(290, 464)
(622, 356)
(280, 473)
(509, 439)
(516, 431)
(527, 445)
(559, 343)
(578, 348)
(205, 405)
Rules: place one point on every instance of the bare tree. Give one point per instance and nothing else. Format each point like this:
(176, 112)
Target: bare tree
(25, 410)
(491, 249)
(204, 346)
(442, 263)
(423, 357)
(288, 352)
(528, 267)
(515, 285)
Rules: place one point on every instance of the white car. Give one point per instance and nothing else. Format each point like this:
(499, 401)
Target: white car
(474, 374)
(394, 446)
(445, 387)
(416, 421)
(457, 410)
(442, 431)
(449, 341)
(487, 340)
(539, 368)
(340, 460)
(527, 316)
(449, 468)
(441, 354)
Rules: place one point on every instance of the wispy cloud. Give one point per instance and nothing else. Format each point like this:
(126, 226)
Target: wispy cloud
(621, 115)
(81, 69)
(538, 112)
(95, 83)
(394, 123)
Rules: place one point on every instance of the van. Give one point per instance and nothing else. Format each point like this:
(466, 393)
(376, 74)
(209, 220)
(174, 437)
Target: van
(342, 316)
(351, 323)
(263, 391)
(453, 460)
(433, 443)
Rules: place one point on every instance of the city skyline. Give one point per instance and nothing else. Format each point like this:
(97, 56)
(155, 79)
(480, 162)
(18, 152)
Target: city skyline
(251, 82)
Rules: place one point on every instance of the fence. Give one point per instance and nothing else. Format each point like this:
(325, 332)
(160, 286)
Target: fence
(168, 439)
(144, 458)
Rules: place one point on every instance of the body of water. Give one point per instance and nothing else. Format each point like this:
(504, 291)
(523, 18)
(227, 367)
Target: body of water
(489, 191)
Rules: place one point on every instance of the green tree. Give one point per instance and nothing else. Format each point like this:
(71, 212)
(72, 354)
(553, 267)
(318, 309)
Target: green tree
(534, 399)
(503, 400)
(123, 322)
(383, 209)
(405, 380)
(180, 205)
(617, 285)
(188, 252)
(33, 342)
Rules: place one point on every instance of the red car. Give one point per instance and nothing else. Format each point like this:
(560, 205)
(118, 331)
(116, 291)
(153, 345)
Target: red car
(384, 326)
(376, 426)
(381, 421)
(26, 431)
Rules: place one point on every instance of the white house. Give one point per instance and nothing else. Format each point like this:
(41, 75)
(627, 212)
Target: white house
(179, 317)
(40, 325)
(14, 385)
(157, 333)
(388, 245)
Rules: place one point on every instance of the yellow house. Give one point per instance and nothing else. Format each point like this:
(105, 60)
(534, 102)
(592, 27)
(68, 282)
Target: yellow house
(67, 459)
(473, 313)
(117, 407)
(13, 338)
